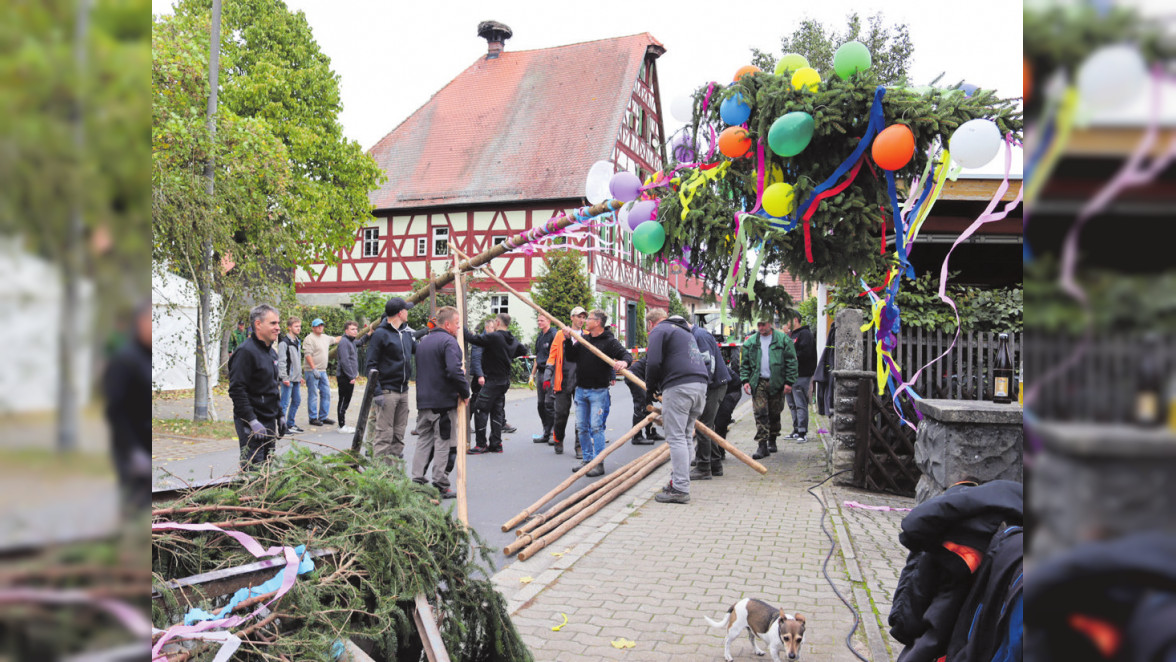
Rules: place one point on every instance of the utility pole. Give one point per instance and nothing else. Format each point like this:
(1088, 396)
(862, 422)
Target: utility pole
(67, 396)
(204, 277)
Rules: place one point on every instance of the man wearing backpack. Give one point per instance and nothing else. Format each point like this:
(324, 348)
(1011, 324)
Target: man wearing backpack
(290, 371)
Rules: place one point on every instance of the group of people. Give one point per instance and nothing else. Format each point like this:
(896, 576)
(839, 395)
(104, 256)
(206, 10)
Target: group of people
(683, 368)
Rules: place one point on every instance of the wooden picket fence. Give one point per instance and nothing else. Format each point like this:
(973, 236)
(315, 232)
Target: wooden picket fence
(964, 374)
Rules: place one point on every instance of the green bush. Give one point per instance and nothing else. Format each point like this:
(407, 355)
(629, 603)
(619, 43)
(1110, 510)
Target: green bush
(333, 318)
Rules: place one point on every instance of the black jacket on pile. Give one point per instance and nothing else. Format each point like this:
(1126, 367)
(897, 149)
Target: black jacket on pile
(253, 382)
(499, 349)
(674, 358)
(390, 352)
(1128, 584)
(591, 372)
(806, 351)
(990, 625)
(936, 581)
(441, 381)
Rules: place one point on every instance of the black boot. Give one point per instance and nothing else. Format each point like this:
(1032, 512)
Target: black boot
(640, 440)
(761, 452)
(651, 433)
(772, 446)
(598, 470)
(700, 473)
(558, 446)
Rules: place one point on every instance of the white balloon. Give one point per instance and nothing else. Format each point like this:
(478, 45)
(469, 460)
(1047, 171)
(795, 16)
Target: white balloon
(975, 143)
(1112, 76)
(682, 108)
(596, 188)
(623, 214)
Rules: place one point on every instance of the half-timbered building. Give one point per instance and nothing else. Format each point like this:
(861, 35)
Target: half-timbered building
(499, 150)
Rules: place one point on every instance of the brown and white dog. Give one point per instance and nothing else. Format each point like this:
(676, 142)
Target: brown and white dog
(760, 619)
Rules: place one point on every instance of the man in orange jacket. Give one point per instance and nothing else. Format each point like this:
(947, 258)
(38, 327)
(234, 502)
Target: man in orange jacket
(562, 375)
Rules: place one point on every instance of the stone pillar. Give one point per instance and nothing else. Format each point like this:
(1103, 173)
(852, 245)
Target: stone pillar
(959, 439)
(847, 373)
(1095, 482)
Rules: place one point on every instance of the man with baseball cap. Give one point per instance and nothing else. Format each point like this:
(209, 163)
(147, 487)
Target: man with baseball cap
(391, 352)
(315, 348)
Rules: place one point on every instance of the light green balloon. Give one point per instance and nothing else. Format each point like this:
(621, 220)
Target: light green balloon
(850, 58)
(649, 237)
(791, 133)
(790, 62)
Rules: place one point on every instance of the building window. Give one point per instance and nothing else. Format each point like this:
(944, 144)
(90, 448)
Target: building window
(371, 242)
(499, 303)
(494, 241)
(422, 246)
(440, 242)
(643, 132)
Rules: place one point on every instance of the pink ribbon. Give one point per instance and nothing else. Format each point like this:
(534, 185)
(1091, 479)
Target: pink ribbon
(289, 574)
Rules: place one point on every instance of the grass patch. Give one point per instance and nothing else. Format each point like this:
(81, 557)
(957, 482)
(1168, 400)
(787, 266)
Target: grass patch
(46, 462)
(188, 428)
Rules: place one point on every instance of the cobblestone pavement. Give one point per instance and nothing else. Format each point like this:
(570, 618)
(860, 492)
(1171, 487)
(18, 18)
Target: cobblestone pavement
(648, 572)
(875, 548)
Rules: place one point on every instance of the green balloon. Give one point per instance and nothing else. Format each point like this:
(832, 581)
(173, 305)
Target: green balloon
(791, 133)
(649, 237)
(850, 58)
(790, 62)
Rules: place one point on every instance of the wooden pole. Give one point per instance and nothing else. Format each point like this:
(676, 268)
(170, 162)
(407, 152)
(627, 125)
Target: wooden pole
(567, 482)
(463, 512)
(711, 434)
(589, 511)
(542, 517)
(365, 407)
(656, 457)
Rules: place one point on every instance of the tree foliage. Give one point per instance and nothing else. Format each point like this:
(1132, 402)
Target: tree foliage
(890, 46)
(562, 285)
(642, 336)
(676, 307)
(980, 309)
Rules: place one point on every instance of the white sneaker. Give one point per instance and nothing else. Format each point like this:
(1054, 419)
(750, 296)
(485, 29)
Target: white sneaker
(346, 429)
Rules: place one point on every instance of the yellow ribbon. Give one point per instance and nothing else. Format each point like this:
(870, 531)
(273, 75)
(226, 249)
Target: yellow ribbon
(1067, 112)
(557, 628)
(690, 188)
(738, 250)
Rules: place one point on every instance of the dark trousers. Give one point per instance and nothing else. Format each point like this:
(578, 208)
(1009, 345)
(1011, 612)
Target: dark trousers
(641, 399)
(544, 404)
(563, 410)
(346, 389)
(475, 389)
(727, 409)
(491, 405)
(707, 454)
(256, 449)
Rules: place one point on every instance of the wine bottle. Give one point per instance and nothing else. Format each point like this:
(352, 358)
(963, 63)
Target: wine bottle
(1149, 387)
(1002, 372)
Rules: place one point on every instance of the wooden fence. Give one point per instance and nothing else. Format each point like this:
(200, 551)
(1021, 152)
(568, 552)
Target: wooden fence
(964, 374)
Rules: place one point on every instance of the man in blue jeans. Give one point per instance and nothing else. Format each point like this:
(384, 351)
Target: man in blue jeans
(592, 381)
(290, 372)
(315, 348)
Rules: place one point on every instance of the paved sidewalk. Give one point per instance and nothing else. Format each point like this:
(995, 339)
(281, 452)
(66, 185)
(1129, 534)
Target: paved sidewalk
(648, 572)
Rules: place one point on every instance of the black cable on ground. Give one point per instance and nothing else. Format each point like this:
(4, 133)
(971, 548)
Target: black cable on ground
(825, 566)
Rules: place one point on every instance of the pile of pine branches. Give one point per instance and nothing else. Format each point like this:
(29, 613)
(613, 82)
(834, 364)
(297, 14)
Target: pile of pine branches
(392, 541)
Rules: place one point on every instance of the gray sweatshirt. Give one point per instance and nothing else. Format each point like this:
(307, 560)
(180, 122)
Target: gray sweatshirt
(289, 358)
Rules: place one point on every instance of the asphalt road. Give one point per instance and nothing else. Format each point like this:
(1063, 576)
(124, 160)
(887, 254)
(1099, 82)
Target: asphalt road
(499, 486)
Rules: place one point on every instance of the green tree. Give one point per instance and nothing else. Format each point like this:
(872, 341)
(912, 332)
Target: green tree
(642, 336)
(562, 285)
(890, 46)
(676, 307)
(368, 305)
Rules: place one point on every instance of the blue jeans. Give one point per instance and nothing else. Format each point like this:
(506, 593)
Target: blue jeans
(318, 394)
(591, 409)
(284, 401)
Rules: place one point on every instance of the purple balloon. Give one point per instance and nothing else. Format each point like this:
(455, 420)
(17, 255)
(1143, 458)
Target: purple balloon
(624, 186)
(682, 147)
(641, 212)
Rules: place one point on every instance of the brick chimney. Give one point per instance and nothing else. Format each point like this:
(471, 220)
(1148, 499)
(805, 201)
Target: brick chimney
(495, 34)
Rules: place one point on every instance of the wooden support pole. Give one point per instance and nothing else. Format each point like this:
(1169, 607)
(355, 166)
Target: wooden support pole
(463, 421)
(711, 434)
(613, 493)
(567, 482)
(542, 517)
(657, 456)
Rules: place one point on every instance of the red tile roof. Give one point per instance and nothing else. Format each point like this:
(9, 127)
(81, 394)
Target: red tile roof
(526, 125)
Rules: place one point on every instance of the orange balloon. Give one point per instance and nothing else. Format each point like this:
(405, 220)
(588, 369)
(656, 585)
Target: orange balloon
(893, 147)
(734, 142)
(746, 70)
(1027, 80)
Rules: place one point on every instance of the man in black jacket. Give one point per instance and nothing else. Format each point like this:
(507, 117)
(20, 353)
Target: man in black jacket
(349, 369)
(391, 352)
(441, 384)
(543, 393)
(499, 348)
(592, 380)
(127, 384)
(806, 365)
(677, 369)
(253, 386)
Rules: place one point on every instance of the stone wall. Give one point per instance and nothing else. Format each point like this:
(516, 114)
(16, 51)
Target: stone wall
(847, 374)
(964, 439)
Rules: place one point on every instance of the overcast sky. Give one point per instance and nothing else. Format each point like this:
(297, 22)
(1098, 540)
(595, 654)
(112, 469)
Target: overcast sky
(393, 56)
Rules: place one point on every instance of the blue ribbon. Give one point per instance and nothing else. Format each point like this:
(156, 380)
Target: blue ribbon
(195, 615)
(872, 128)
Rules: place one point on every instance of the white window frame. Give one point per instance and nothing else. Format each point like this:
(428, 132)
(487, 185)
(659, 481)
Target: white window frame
(441, 233)
(422, 246)
(371, 242)
(494, 241)
(499, 303)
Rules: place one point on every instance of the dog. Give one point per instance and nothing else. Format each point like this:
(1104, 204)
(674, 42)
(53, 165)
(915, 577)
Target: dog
(782, 631)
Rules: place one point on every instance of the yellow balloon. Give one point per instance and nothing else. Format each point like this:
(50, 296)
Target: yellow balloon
(774, 175)
(806, 77)
(779, 200)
